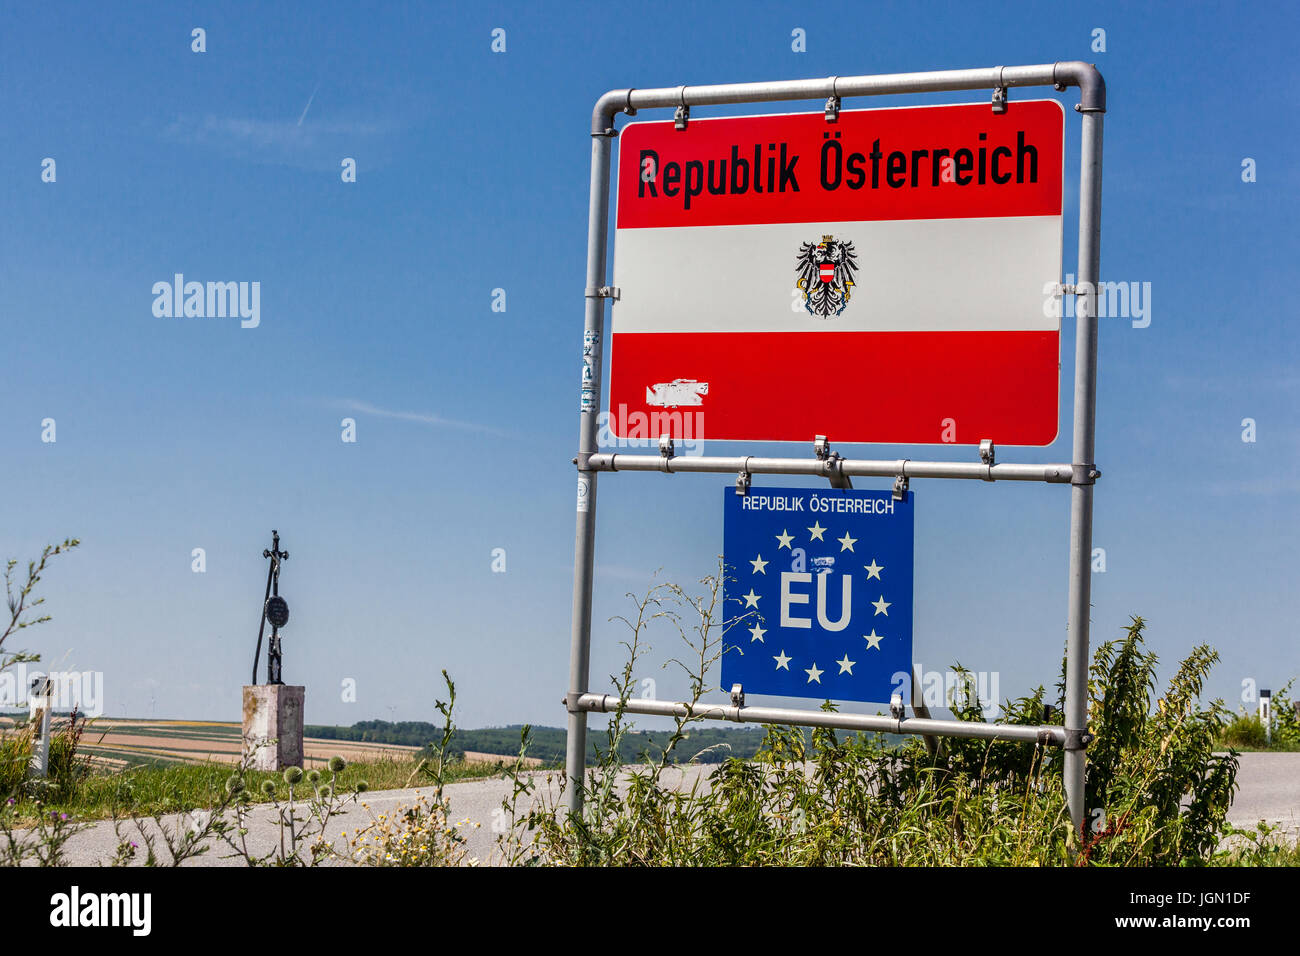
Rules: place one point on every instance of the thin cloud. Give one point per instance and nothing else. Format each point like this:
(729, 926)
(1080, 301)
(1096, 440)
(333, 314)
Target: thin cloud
(420, 418)
(260, 133)
(291, 141)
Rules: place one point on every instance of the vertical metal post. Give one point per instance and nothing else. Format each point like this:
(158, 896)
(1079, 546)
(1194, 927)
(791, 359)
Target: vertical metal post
(1085, 415)
(584, 540)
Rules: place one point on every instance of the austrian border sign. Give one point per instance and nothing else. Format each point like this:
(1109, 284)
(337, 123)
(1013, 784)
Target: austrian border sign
(820, 586)
(889, 277)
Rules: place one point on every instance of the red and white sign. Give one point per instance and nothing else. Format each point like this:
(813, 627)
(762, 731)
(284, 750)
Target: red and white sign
(878, 279)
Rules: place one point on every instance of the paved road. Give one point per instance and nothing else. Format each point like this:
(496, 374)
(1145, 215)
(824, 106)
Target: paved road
(475, 808)
(1269, 789)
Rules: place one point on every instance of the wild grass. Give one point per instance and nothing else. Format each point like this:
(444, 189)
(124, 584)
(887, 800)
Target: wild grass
(165, 788)
(1158, 792)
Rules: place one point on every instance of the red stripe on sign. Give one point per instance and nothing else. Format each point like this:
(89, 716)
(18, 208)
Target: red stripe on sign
(936, 162)
(884, 387)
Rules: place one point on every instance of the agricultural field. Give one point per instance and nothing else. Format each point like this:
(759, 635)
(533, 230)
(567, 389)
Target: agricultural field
(119, 743)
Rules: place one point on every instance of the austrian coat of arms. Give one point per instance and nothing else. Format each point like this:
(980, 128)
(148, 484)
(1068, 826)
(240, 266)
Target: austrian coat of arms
(825, 274)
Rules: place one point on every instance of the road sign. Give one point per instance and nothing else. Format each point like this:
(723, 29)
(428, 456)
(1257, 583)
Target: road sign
(820, 588)
(887, 278)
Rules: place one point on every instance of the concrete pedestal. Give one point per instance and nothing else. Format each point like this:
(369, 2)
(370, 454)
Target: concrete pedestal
(273, 725)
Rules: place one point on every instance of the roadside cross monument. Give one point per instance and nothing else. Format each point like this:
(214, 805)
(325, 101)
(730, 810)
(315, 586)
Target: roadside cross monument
(273, 712)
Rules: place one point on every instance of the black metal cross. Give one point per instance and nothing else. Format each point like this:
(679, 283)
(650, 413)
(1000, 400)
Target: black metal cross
(278, 612)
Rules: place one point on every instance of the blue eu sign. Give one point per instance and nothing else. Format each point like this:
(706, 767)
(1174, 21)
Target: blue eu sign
(819, 596)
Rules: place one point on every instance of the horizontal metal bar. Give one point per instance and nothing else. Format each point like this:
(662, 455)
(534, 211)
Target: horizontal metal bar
(825, 468)
(1092, 89)
(1044, 734)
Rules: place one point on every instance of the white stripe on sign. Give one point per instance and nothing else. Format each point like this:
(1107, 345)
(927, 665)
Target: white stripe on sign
(912, 276)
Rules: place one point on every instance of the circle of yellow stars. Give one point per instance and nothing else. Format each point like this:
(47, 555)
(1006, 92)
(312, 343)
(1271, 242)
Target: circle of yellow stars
(873, 570)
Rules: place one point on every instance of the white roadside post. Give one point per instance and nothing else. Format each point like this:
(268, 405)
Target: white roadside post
(40, 702)
(1266, 715)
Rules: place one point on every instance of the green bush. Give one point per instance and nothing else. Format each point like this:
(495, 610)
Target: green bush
(1159, 790)
(1247, 731)
(68, 767)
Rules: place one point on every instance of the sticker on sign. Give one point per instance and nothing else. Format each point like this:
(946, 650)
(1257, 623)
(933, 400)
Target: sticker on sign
(878, 279)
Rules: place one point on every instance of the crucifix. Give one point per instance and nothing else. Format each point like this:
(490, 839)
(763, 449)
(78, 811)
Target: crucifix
(274, 609)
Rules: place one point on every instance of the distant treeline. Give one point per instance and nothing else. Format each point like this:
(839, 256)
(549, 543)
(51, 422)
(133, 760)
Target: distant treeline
(705, 744)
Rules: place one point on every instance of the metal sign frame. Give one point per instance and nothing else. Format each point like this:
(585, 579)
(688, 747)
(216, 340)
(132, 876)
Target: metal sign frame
(1080, 474)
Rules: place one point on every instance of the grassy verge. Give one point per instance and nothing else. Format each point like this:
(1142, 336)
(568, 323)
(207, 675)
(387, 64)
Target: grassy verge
(163, 789)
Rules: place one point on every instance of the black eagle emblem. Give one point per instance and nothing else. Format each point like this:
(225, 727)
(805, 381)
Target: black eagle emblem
(826, 274)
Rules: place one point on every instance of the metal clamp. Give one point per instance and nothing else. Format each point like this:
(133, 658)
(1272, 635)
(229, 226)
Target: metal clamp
(604, 292)
(737, 695)
(743, 481)
(900, 487)
(628, 108)
(665, 446)
(988, 455)
(833, 104)
(1077, 739)
(1084, 474)
(1000, 99)
(896, 708)
(835, 469)
(683, 114)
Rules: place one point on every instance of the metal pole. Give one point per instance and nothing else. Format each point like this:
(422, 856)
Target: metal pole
(1085, 421)
(1048, 735)
(827, 468)
(922, 710)
(585, 534)
(1092, 90)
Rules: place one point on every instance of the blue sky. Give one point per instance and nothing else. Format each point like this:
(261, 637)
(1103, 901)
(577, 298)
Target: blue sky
(174, 434)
